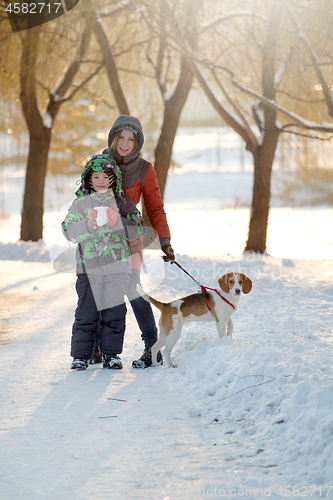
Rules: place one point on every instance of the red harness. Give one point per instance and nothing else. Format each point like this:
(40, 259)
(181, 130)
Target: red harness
(204, 288)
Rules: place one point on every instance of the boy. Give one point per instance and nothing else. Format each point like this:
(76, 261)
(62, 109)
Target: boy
(102, 221)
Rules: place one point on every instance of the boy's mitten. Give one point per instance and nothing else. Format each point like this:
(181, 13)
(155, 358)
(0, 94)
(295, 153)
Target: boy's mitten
(112, 215)
(92, 216)
(169, 253)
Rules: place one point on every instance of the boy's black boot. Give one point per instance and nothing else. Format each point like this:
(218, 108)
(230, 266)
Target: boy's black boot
(97, 356)
(79, 364)
(112, 361)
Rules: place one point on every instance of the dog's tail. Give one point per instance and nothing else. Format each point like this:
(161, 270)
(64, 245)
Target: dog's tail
(143, 294)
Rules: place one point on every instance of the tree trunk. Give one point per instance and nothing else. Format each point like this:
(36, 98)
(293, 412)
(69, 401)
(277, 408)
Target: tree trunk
(111, 67)
(264, 155)
(163, 151)
(39, 132)
(263, 162)
(174, 105)
(32, 211)
(172, 112)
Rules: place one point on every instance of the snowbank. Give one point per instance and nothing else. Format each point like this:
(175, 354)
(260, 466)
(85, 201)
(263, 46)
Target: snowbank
(252, 413)
(27, 251)
(271, 387)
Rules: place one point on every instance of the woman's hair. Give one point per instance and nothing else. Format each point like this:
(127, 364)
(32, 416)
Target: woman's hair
(115, 139)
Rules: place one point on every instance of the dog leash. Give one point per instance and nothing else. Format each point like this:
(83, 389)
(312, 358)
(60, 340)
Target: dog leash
(188, 274)
(202, 288)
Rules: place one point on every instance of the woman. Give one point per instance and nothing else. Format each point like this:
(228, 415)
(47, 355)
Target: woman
(125, 142)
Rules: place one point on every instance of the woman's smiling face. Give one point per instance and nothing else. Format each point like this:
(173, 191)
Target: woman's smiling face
(125, 144)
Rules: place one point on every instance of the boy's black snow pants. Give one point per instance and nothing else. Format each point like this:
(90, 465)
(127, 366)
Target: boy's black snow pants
(87, 315)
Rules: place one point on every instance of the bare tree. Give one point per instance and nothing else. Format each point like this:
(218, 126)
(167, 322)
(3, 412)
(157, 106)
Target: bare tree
(164, 63)
(40, 124)
(272, 33)
(169, 69)
(108, 56)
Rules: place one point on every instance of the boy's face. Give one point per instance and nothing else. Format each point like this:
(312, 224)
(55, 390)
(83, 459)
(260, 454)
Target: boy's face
(100, 182)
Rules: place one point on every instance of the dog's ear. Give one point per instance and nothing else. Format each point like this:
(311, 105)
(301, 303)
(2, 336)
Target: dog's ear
(247, 283)
(223, 282)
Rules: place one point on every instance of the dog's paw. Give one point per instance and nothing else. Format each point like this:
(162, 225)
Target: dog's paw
(226, 340)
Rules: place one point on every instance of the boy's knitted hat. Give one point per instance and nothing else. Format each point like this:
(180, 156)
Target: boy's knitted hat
(100, 163)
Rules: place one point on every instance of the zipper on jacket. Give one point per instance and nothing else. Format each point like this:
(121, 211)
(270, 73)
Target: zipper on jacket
(124, 181)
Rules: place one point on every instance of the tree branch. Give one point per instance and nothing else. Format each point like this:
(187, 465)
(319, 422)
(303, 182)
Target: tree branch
(282, 69)
(231, 120)
(109, 62)
(160, 55)
(116, 10)
(221, 19)
(73, 66)
(30, 43)
(299, 121)
(157, 69)
(258, 116)
(44, 87)
(251, 135)
(315, 61)
(184, 48)
(316, 101)
(305, 135)
(161, 33)
(130, 48)
(82, 84)
(99, 99)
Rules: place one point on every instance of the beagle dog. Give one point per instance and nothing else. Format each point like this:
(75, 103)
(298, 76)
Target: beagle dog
(216, 305)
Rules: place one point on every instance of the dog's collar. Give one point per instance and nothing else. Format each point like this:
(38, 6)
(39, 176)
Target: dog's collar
(203, 291)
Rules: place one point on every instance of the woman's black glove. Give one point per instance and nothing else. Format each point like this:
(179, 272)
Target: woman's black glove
(169, 253)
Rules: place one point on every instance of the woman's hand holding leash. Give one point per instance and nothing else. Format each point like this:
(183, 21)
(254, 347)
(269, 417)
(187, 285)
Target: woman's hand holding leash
(169, 253)
(167, 249)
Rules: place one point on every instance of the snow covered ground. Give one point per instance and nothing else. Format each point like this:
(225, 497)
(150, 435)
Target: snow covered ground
(248, 417)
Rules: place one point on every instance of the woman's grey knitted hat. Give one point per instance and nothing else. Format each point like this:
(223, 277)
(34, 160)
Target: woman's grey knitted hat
(131, 129)
(127, 122)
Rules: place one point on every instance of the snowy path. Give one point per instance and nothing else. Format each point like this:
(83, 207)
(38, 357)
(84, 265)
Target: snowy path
(97, 433)
(236, 418)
